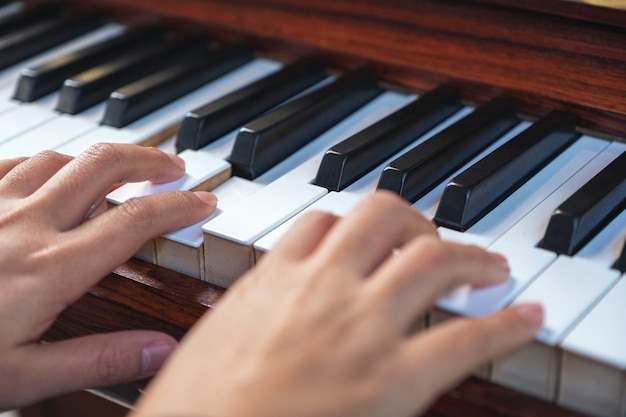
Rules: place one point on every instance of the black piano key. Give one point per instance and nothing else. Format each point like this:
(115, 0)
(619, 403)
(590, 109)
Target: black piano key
(135, 100)
(418, 171)
(215, 119)
(480, 188)
(36, 82)
(579, 218)
(350, 159)
(270, 138)
(96, 84)
(45, 35)
(620, 263)
(30, 15)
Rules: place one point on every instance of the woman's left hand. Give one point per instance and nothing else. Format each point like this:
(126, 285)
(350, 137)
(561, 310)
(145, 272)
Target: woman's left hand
(58, 240)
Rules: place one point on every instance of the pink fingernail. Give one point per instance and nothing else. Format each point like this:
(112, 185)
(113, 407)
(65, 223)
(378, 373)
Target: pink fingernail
(177, 160)
(532, 313)
(207, 198)
(501, 260)
(154, 356)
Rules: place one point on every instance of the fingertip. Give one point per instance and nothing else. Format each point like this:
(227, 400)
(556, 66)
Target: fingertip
(531, 313)
(207, 198)
(154, 355)
(501, 261)
(499, 274)
(177, 160)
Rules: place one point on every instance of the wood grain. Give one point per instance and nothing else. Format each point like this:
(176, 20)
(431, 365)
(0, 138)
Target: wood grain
(548, 54)
(546, 61)
(145, 296)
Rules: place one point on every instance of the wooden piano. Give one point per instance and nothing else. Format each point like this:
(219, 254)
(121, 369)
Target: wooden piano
(546, 54)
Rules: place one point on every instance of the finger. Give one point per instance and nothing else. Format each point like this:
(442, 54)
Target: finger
(96, 209)
(427, 268)
(105, 241)
(305, 235)
(29, 175)
(450, 351)
(381, 223)
(101, 206)
(86, 179)
(91, 361)
(7, 165)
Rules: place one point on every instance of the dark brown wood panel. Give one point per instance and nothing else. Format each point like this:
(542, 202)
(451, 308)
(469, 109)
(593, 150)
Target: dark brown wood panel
(545, 61)
(548, 54)
(606, 12)
(143, 296)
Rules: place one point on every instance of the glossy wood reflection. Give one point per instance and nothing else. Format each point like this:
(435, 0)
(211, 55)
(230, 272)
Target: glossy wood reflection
(547, 61)
(142, 295)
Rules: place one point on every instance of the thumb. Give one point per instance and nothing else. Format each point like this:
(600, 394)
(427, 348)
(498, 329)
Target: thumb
(99, 360)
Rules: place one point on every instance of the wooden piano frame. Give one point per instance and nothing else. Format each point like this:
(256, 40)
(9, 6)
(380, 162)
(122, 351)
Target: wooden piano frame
(547, 54)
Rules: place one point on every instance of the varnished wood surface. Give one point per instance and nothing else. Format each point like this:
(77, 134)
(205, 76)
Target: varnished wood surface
(546, 61)
(605, 12)
(141, 295)
(545, 54)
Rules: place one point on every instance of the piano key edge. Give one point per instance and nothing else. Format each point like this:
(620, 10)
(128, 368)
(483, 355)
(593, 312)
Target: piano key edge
(142, 295)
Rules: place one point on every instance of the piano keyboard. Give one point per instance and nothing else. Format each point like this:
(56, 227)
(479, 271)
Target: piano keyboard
(275, 140)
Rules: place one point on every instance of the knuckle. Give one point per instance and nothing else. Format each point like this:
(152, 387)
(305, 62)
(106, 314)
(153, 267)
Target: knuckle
(316, 217)
(102, 150)
(102, 154)
(137, 213)
(433, 250)
(52, 156)
(383, 201)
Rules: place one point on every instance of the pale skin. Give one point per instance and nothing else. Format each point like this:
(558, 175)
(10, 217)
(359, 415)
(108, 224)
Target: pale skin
(323, 326)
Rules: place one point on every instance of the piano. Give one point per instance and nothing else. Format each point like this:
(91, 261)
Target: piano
(537, 89)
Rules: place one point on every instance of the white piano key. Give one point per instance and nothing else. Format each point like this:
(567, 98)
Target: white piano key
(228, 238)
(162, 124)
(530, 229)
(584, 282)
(54, 133)
(21, 119)
(44, 128)
(50, 135)
(606, 247)
(598, 335)
(9, 76)
(484, 301)
(529, 195)
(301, 166)
(228, 195)
(593, 377)
(340, 203)
(567, 289)
(180, 250)
(337, 203)
(192, 236)
(201, 171)
(183, 250)
(168, 145)
(428, 204)
(6, 103)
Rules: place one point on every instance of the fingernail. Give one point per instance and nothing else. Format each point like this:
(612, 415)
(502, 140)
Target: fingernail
(154, 356)
(177, 160)
(500, 259)
(207, 198)
(532, 313)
